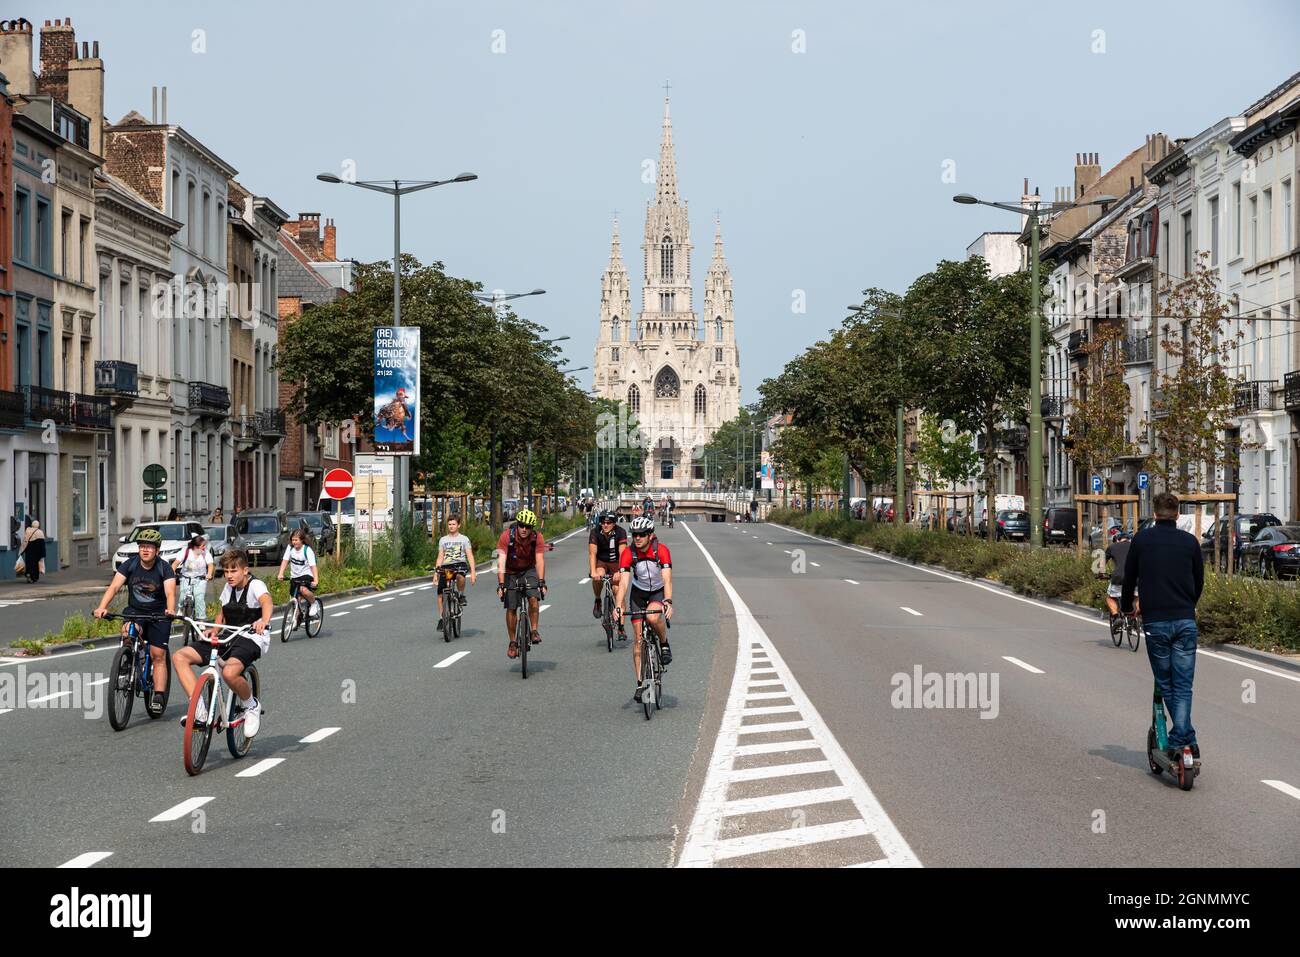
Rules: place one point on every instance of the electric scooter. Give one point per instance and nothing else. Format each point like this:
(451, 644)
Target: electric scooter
(1186, 767)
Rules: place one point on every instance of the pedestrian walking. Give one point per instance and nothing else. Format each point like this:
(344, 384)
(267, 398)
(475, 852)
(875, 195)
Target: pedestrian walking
(217, 517)
(173, 515)
(33, 552)
(1165, 564)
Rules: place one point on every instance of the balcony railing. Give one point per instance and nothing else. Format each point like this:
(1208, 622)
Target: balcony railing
(114, 377)
(245, 429)
(205, 397)
(271, 423)
(13, 410)
(1253, 396)
(1137, 349)
(1291, 390)
(1053, 407)
(92, 412)
(1009, 440)
(1078, 345)
(1158, 396)
(43, 403)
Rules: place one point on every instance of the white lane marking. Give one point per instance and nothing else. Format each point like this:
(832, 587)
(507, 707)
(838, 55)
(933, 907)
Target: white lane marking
(763, 671)
(1284, 788)
(776, 747)
(792, 837)
(765, 695)
(815, 564)
(5, 710)
(779, 771)
(766, 683)
(1029, 601)
(702, 845)
(769, 543)
(89, 859)
(260, 767)
(786, 550)
(851, 581)
(320, 735)
(180, 810)
(883, 862)
(1027, 667)
(95, 684)
(775, 802)
(585, 580)
(410, 591)
(48, 697)
(363, 607)
(448, 662)
(340, 614)
(382, 600)
(424, 588)
(580, 528)
(772, 726)
(911, 611)
(544, 607)
(777, 709)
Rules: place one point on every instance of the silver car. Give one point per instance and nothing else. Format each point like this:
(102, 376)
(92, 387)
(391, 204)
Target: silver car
(263, 534)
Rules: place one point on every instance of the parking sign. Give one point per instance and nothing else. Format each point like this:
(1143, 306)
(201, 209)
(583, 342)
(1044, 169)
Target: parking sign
(1096, 484)
(1144, 480)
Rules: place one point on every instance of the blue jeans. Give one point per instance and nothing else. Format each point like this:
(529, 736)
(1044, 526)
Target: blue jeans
(1171, 648)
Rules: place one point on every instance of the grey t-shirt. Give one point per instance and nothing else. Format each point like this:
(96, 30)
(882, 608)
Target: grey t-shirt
(454, 548)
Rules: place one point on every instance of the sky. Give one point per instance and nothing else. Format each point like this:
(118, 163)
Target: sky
(829, 136)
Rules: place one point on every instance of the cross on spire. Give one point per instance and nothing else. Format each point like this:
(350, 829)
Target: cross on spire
(666, 89)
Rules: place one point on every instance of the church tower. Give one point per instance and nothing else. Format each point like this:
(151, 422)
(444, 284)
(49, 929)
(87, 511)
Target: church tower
(615, 306)
(666, 310)
(720, 331)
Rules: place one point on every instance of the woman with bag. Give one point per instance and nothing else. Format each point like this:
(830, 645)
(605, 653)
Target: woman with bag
(33, 552)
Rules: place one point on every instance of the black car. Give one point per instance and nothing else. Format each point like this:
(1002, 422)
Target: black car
(1273, 552)
(1248, 527)
(318, 525)
(1060, 526)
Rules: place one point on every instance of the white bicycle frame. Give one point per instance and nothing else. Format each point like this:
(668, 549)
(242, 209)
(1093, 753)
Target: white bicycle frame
(193, 586)
(222, 705)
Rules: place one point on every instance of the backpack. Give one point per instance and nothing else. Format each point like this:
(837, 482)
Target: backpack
(510, 551)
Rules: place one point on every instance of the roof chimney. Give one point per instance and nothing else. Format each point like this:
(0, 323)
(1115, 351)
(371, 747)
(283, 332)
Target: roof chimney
(309, 234)
(1087, 171)
(331, 250)
(58, 47)
(16, 55)
(86, 92)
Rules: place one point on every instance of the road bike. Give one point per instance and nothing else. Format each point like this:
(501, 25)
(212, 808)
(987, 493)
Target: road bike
(523, 625)
(1126, 625)
(220, 703)
(131, 673)
(652, 667)
(607, 602)
(453, 603)
(296, 615)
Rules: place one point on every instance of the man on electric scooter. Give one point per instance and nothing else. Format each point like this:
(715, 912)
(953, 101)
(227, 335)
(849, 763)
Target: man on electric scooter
(1166, 564)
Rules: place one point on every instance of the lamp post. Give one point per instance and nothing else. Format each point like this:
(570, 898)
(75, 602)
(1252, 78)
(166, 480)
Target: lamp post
(397, 190)
(1034, 211)
(496, 299)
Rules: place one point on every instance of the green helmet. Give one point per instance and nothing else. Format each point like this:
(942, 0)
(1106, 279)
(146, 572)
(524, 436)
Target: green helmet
(148, 536)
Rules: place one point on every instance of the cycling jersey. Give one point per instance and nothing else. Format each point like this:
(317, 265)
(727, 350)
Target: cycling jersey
(300, 561)
(519, 555)
(647, 566)
(607, 546)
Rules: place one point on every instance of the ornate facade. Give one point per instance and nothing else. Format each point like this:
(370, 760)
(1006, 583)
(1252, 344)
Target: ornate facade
(680, 380)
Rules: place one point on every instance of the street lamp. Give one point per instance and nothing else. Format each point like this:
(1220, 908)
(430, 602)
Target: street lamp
(496, 298)
(397, 190)
(1034, 210)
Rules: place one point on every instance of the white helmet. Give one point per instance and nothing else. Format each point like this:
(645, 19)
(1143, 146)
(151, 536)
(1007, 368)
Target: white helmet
(642, 524)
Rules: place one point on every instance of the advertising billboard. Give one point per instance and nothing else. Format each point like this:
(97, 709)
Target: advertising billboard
(397, 390)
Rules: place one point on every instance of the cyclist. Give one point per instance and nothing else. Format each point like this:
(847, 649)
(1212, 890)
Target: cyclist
(520, 553)
(605, 546)
(1117, 553)
(648, 569)
(672, 507)
(194, 568)
(648, 507)
(303, 574)
(151, 590)
(244, 601)
(456, 551)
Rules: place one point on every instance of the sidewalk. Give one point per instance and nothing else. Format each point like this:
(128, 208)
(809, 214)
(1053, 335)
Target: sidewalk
(60, 584)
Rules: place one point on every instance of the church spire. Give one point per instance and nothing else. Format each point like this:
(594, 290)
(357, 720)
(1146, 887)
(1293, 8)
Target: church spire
(718, 257)
(615, 251)
(667, 173)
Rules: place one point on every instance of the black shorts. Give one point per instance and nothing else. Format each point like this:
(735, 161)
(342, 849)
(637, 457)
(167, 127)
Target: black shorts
(641, 600)
(242, 649)
(461, 568)
(611, 570)
(156, 633)
(302, 581)
(530, 586)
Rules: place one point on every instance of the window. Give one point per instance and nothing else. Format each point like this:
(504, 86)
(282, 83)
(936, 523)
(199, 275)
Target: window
(665, 302)
(717, 329)
(207, 223)
(717, 354)
(1236, 219)
(667, 385)
(176, 193)
(83, 247)
(615, 329)
(1288, 218)
(123, 296)
(701, 402)
(613, 354)
(22, 227)
(1214, 230)
(1164, 248)
(666, 259)
(1254, 227)
(44, 238)
(191, 199)
(1189, 248)
(65, 244)
(633, 400)
(80, 496)
(331, 435)
(1268, 224)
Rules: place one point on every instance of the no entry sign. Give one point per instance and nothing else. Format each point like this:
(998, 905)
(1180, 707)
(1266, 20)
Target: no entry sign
(338, 483)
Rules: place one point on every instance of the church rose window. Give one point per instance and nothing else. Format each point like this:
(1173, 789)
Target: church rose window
(667, 385)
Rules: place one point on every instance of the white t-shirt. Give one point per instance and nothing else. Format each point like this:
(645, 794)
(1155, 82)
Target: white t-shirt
(252, 598)
(300, 560)
(195, 564)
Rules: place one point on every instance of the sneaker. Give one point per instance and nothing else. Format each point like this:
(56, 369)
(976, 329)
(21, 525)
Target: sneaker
(665, 654)
(252, 719)
(595, 608)
(440, 624)
(464, 599)
(158, 701)
(313, 610)
(200, 715)
(513, 650)
(636, 696)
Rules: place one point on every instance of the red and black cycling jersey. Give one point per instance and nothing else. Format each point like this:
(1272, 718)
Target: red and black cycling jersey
(647, 565)
(607, 546)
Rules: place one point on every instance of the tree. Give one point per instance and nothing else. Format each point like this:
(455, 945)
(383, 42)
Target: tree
(1193, 407)
(730, 453)
(1101, 405)
(970, 334)
(947, 458)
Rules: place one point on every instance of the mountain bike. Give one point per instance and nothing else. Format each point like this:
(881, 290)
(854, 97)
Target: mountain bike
(131, 673)
(221, 704)
(453, 603)
(296, 615)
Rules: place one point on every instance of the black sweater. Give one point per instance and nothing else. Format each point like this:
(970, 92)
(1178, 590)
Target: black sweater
(1165, 565)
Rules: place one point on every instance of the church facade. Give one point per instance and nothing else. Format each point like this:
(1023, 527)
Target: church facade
(679, 378)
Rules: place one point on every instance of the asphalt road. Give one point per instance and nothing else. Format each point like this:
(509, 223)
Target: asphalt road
(781, 742)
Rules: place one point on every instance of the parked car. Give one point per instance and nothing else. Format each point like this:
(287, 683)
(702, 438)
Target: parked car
(263, 534)
(1060, 525)
(219, 539)
(1273, 552)
(1095, 537)
(1249, 525)
(1013, 525)
(175, 536)
(319, 525)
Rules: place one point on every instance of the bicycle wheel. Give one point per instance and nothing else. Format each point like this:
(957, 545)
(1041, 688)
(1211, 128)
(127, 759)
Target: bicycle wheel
(659, 680)
(446, 616)
(196, 742)
(1117, 629)
(523, 635)
(647, 676)
(236, 741)
(287, 623)
(456, 623)
(187, 611)
(121, 676)
(167, 690)
(313, 623)
(1134, 633)
(607, 619)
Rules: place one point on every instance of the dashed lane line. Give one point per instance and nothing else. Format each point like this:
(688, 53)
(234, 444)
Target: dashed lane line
(1284, 788)
(261, 767)
(448, 662)
(851, 581)
(911, 611)
(1028, 667)
(88, 859)
(364, 607)
(705, 843)
(180, 810)
(320, 735)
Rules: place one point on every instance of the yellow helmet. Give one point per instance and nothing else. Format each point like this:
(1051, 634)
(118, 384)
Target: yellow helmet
(526, 518)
